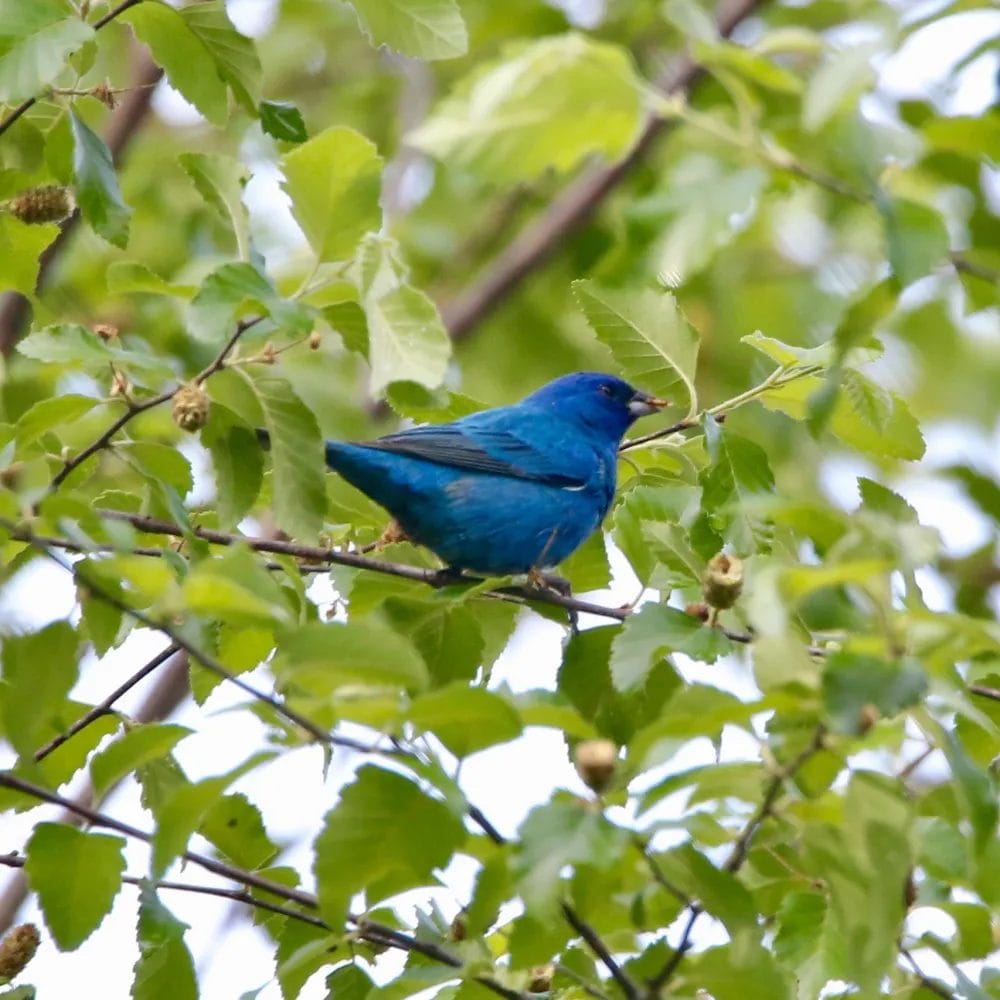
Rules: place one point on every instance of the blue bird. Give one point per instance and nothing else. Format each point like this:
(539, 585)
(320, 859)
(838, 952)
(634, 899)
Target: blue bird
(509, 490)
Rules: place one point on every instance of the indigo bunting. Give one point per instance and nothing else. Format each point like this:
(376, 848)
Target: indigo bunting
(511, 490)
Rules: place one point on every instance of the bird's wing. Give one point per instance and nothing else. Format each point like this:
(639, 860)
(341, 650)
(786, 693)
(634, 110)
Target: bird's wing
(504, 442)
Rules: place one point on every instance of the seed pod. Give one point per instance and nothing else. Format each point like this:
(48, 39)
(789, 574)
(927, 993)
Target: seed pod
(17, 949)
(50, 203)
(541, 978)
(106, 331)
(722, 581)
(595, 762)
(314, 341)
(190, 411)
(697, 610)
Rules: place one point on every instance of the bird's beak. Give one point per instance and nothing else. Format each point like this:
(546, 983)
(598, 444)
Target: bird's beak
(642, 404)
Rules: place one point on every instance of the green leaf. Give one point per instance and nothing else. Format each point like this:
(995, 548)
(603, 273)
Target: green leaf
(320, 657)
(136, 747)
(334, 181)
(385, 835)
(654, 345)
(282, 120)
(565, 831)
(220, 180)
(917, 237)
(21, 246)
(238, 463)
(800, 923)
(202, 54)
(738, 971)
(976, 791)
(423, 29)
(76, 876)
(296, 455)
(97, 191)
(651, 633)
(838, 81)
(165, 970)
(235, 826)
(854, 682)
(465, 719)
(36, 41)
(546, 104)
(39, 670)
(47, 414)
(236, 589)
(132, 276)
(407, 340)
(753, 66)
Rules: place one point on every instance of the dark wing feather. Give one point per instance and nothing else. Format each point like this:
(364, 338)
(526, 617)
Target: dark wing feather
(486, 447)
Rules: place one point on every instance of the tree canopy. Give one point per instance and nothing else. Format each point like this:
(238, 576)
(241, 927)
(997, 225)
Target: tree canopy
(330, 218)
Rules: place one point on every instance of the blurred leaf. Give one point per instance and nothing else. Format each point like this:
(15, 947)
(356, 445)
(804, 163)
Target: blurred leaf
(838, 80)
(164, 970)
(654, 345)
(854, 684)
(917, 237)
(423, 29)
(334, 180)
(96, 184)
(36, 42)
(220, 180)
(238, 463)
(137, 746)
(976, 791)
(385, 835)
(465, 719)
(76, 876)
(282, 120)
(547, 103)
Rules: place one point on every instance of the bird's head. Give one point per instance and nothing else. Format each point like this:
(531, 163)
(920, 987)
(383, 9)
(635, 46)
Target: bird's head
(599, 402)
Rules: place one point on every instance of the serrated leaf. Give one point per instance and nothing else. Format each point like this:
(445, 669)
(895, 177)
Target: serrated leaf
(138, 746)
(422, 29)
(297, 457)
(238, 463)
(282, 120)
(236, 589)
(651, 633)
(320, 657)
(36, 42)
(132, 276)
(545, 104)
(562, 832)
(96, 184)
(385, 835)
(220, 180)
(76, 876)
(165, 970)
(235, 826)
(21, 246)
(654, 345)
(47, 414)
(465, 719)
(334, 181)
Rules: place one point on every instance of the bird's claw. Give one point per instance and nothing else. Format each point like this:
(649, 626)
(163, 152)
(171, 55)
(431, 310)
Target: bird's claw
(392, 533)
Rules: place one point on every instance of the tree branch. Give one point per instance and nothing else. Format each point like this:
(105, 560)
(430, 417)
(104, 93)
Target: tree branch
(600, 949)
(925, 981)
(104, 707)
(539, 240)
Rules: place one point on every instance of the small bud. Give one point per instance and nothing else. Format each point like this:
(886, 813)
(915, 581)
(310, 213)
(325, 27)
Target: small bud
(106, 331)
(10, 477)
(315, 340)
(909, 891)
(50, 203)
(105, 95)
(190, 410)
(595, 762)
(722, 581)
(867, 717)
(17, 949)
(120, 385)
(268, 355)
(541, 978)
(698, 610)
(458, 928)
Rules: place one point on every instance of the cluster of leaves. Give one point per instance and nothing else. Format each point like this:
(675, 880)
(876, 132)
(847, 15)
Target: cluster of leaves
(772, 204)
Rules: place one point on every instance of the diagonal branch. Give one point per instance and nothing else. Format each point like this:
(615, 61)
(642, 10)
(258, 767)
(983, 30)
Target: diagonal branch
(600, 949)
(541, 238)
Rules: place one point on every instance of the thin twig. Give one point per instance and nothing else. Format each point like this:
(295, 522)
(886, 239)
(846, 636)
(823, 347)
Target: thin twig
(600, 949)
(985, 692)
(134, 409)
(925, 981)
(104, 707)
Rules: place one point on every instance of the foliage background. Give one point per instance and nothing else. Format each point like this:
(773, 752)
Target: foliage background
(462, 200)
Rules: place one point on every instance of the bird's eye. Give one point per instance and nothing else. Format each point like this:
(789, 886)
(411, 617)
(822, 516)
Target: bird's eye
(604, 390)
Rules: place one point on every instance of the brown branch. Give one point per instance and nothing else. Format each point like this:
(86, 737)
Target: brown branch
(122, 126)
(104, 707)
(738, 855)
(985, 692)
(600, 949)
(134, 409)
(369, 930)
(541, 238)
(925, 981)
(32, 101)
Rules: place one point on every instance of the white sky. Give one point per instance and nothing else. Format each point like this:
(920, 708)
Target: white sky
(504, 781)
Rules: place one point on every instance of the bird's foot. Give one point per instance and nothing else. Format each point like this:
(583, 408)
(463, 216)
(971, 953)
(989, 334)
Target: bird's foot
(446, 576)
(393, 532)
(560, 585)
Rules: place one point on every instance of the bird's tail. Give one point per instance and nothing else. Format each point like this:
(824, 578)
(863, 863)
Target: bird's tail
(263, 438)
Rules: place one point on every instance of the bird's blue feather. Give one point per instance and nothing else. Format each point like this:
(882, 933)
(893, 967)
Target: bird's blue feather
(504, 490)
